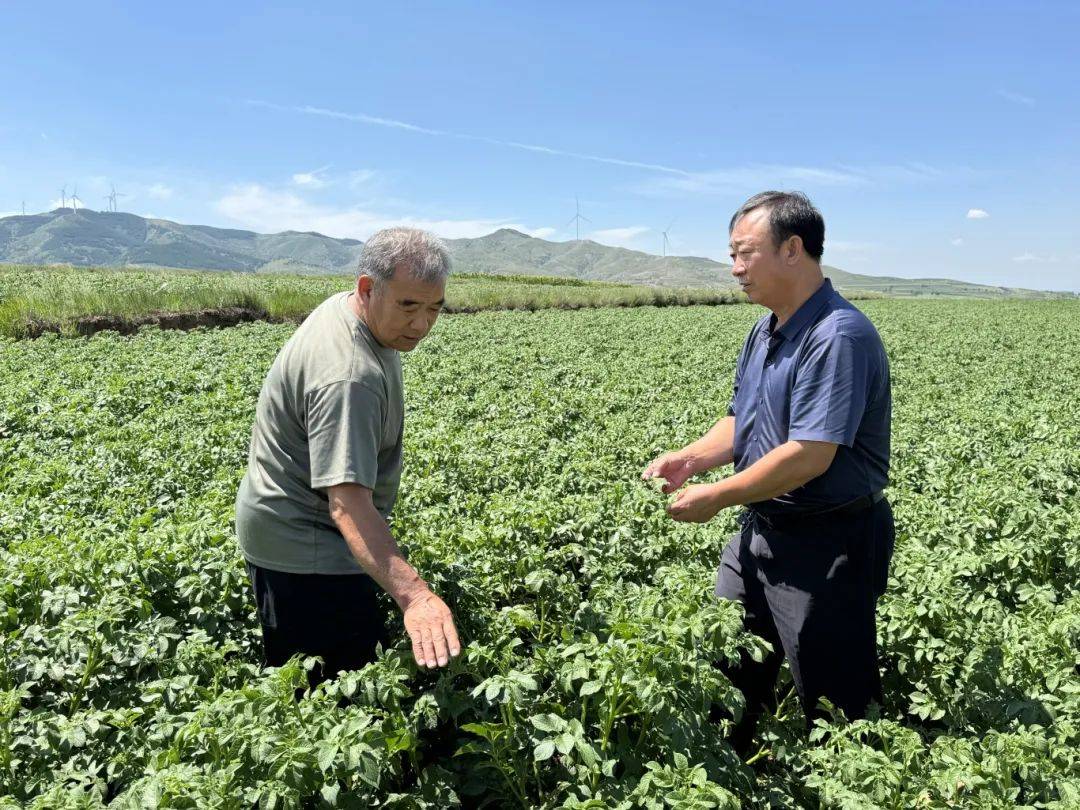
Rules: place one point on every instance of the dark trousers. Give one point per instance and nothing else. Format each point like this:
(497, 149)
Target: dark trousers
(810, 587)
(334, 616)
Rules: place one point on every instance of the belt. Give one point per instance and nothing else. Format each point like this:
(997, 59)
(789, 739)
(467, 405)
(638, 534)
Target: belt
(852, 507)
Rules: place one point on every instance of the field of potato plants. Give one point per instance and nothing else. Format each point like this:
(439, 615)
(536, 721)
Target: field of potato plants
(128, 640)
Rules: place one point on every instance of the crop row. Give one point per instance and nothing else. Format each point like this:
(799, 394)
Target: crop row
(128, 661)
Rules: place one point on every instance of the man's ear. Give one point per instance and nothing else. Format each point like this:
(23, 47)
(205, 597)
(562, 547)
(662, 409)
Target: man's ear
(792, 249)
(364, 287)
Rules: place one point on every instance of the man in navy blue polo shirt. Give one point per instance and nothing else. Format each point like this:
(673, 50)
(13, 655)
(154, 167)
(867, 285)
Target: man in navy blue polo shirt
(808, 432)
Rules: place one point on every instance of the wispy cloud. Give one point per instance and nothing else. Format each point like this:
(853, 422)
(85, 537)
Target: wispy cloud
(1033, 258)
(977, 213)
(957, 242)
(619, 237)
(372, 120)
(160, 191)
(675, 178)
(312, 179)
(724, 181)
(360, 178)
(738, 180)
(846, 248)
(269, 210)
(1017, 98)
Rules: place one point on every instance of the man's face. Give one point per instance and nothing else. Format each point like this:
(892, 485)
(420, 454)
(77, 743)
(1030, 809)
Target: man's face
(400, 312)
(757, 263)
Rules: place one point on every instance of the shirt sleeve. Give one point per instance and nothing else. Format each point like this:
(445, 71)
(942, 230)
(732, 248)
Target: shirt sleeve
(739, 365)
(344, 426)
(830, 393)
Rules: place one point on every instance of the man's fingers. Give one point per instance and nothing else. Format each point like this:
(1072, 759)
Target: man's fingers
(429, 646)
(675, 508)
(451, 637)
(439, 640)
(417, 647)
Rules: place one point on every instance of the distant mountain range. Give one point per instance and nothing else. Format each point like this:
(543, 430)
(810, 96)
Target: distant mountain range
(108, 239)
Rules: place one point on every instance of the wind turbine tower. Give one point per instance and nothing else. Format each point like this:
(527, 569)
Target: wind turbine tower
(75, 199)
(667, 242)
(111, 197)
(577, 219)
(63, 198)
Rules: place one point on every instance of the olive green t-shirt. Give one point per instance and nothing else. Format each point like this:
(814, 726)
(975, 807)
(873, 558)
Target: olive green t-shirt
(330, 412)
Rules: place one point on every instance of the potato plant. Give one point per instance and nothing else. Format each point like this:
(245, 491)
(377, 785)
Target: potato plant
(128, 642)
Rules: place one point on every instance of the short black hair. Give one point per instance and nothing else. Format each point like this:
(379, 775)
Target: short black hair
(790, 214)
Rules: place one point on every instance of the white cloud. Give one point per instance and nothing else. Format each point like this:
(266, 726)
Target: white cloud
(1032, 258)
(977, 213)
(619, 237)
(268, 210)
(743, 179)
(160, 191)
(312, 179)
(542, 233)
(677, 179)
(372, 120)
(957, 242)
(841, 246)
(724, 181)
(359, 178)
(1017, 98)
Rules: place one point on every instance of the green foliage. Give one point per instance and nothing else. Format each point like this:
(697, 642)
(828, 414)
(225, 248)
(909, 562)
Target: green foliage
(128, 642)
(73, 300)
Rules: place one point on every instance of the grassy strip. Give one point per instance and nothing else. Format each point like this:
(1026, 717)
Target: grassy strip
(71, 300)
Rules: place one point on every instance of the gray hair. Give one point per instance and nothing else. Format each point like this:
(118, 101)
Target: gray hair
(423, 253)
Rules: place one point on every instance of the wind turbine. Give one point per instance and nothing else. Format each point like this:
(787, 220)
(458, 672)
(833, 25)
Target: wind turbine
(577, 219)
(63, 198)
(667, 242)
(112, 199)
(75, 199)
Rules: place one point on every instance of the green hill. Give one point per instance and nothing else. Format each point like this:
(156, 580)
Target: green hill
(108, 239)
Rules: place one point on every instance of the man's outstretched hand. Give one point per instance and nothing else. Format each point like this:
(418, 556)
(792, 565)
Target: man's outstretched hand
(696, 504)
(675, 468)
(431, 629)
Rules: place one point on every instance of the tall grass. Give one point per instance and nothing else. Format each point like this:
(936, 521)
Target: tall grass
(35, 299)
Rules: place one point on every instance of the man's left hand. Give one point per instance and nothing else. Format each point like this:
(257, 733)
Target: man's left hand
(696, 504)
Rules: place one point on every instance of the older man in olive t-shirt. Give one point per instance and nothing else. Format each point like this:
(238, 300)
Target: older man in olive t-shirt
(325, 463)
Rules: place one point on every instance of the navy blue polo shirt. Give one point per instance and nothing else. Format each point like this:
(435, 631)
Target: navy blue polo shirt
(822, 376)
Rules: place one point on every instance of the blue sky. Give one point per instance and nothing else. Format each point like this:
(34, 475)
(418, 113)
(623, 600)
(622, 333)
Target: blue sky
(938, 139)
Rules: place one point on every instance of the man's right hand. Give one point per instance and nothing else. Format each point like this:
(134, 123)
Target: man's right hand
(431, 629)
(676, 468)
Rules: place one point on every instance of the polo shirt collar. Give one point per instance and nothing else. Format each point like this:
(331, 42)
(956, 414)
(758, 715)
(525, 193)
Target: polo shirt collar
(805, 314)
